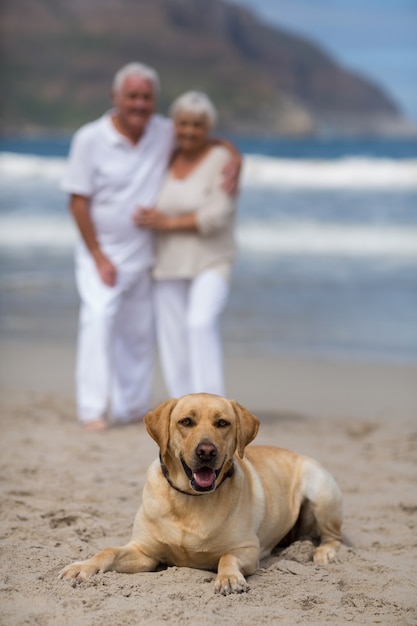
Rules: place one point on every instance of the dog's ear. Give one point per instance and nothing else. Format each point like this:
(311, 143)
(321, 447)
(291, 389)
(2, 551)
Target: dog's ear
(157, 424)
(247, 426)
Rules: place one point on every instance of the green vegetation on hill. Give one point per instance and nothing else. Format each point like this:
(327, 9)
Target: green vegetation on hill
(59, 56)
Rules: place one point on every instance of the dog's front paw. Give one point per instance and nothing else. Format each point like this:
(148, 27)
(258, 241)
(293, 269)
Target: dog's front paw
(81, 570)
(234, 583)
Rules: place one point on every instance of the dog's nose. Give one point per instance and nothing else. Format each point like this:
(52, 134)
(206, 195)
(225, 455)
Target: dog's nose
(206, 451)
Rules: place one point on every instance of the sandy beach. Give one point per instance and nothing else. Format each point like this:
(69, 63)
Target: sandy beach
(320, 337)
(66, 494)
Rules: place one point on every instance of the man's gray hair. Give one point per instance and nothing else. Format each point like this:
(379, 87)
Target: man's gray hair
(197, 103)
(135, 69)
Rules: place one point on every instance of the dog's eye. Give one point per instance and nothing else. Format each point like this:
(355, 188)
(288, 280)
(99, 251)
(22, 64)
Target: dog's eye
(187, 422)
(222, 423)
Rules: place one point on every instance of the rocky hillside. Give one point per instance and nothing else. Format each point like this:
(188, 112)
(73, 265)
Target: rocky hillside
(58, 58)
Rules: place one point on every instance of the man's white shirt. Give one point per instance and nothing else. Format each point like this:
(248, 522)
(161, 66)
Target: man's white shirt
(118, 177)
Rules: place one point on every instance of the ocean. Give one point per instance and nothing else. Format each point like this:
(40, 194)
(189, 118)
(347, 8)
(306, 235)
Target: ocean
(327, 234)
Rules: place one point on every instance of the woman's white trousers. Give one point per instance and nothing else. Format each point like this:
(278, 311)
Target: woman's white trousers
(115, 345)
(187, 324)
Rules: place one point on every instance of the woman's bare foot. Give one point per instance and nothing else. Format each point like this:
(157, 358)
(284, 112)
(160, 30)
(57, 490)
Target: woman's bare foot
(96, 425)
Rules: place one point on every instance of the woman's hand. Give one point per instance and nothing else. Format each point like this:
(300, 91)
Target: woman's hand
(150, 218)
(232, 169)
(231, 174)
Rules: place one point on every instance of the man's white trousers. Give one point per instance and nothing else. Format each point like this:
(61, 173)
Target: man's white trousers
(115, 345)
(187, 324)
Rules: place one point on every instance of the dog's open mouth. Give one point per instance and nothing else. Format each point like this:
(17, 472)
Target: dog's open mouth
(203, 478)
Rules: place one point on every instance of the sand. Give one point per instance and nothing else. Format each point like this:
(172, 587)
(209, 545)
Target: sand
(66, 494)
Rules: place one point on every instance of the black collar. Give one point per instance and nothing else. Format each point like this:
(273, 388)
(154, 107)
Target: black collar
(165, 472)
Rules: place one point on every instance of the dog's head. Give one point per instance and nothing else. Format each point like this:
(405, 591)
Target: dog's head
(198, 435)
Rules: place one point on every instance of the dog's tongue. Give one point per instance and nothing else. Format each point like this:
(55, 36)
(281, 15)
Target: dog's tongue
(204, 477)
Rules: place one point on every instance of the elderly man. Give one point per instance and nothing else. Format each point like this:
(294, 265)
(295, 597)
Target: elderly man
(116, 164)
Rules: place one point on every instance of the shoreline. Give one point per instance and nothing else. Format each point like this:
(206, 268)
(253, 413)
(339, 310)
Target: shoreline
(316, 387)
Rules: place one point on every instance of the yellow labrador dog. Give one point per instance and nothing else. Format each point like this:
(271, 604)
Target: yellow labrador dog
(210, 503)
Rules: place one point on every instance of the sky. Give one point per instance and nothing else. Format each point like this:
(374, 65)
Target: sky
(375, 38)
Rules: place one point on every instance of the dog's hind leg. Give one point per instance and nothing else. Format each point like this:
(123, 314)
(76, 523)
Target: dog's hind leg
(325, 503)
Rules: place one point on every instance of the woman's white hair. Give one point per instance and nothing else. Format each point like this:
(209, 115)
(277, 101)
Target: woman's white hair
(197, 103)
(135, 69)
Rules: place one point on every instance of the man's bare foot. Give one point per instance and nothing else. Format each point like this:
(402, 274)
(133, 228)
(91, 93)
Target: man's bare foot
(96, 425)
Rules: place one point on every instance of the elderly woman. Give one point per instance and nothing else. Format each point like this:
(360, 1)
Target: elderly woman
(195, 248)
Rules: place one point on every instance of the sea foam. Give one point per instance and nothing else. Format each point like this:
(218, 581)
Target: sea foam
(309, 238)
(347, 172)
(33, 209)
(21, 234)
(30, 167)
